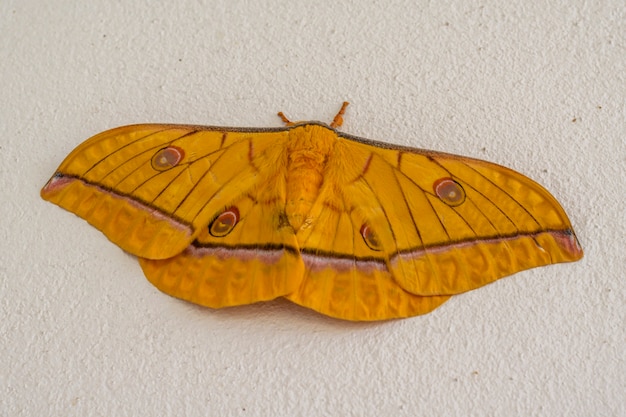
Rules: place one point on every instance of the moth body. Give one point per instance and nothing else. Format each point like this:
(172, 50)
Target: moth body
(308, 149)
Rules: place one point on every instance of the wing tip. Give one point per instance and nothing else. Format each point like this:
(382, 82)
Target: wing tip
(54, 185)
(568, 242)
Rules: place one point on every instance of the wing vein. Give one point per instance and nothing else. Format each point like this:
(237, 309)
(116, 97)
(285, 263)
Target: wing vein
(122, 147)
(198, 182)
(510, 196)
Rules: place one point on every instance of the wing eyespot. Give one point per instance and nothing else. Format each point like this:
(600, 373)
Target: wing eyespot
(167, 158)
(225, 222)
(449, 191)
(370, 238)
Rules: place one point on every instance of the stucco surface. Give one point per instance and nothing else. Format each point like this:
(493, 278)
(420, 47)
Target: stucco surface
(539, 87)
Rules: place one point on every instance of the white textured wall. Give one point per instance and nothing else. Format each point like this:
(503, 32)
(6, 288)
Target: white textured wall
(537, 87)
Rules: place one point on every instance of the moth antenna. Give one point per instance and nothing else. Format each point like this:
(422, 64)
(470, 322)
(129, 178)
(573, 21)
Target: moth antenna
(286, 121)
(338, 120)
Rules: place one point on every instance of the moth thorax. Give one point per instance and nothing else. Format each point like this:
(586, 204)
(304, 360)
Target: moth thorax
(308, 151)
(304, 179)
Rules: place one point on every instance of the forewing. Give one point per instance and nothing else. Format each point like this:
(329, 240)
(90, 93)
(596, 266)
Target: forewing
(453, 224)
(151, 188)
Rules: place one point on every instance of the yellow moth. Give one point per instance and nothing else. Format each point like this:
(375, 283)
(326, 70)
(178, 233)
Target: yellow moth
(349, 227)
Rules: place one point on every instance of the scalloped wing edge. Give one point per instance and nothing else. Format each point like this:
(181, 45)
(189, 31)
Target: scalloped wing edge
(135, 227)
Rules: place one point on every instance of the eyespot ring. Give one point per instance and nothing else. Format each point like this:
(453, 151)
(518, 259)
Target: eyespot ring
(225, 222)
(167, 158)
(449, 191)
(370, 238)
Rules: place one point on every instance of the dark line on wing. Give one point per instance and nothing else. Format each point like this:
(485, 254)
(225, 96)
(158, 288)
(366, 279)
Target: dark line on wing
(479, 192)
(354, 260)
(348, 213)
(157, 173)
(237, 175)
(382, 207)
(337, 255)
(130, 197)
(236, 129)
(406, 203)
(180, 203)
(367, 164)
(381, 260)
(454, 210)
(160, 193)
(399, 160)
(432, 154)
(221, 187)
(496, 238)
(477, 208)
(250, 156)
(124, 146)
(198, 182)
(510, 196)
(336, 228)
(401, 148)
(506, 242)
(114, 169)
(426, 248)
(327, 284)
(253, 272)
(248, 246)
(183, 168)
(426, 194)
